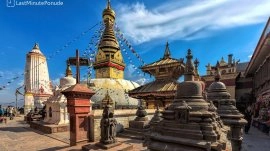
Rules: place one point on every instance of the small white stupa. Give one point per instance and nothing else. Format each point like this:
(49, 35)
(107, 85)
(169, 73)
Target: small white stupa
(56, 105)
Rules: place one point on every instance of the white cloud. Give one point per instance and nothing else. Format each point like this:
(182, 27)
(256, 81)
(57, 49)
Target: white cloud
(249, 56)
(186, 21)
(142, 81)
(131, 74)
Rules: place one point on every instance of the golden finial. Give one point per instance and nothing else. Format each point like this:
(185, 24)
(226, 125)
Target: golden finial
(167, 53)
(108, 4)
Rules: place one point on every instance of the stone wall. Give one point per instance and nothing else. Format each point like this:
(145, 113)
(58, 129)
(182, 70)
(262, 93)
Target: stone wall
(122, 117)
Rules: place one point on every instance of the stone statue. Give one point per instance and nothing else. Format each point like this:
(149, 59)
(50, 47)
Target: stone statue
(112, 131)
(108, 126)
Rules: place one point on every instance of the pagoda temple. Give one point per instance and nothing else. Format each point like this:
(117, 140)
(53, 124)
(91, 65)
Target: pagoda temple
(162, 90)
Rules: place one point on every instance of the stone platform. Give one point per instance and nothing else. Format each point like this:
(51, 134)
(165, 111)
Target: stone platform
(139, 124)
(134, 133)
(48, 128)
(110, 147)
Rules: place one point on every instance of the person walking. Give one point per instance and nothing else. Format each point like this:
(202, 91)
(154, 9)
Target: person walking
(11, 113)
(248, 117)
(2, 114)
(7, 111)
(1, 111)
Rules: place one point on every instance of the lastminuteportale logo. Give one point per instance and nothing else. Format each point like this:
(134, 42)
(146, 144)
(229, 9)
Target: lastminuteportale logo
(10, 3)
(13, 3)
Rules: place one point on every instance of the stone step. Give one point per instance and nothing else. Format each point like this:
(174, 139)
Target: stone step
(134, 133)
(131, 136)
(109, 147)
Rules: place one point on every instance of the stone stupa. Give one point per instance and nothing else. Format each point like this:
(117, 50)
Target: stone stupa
(189, 123)
(217, 93)
(56, 105)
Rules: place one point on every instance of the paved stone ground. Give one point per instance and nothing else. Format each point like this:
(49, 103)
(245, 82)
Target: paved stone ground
(255, 140)
(16, 135)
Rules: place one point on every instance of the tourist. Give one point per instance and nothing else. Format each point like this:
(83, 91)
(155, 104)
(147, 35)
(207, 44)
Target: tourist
(2, 118)
(1, 111)
(11, 113)
(7, 111)
(248, 117)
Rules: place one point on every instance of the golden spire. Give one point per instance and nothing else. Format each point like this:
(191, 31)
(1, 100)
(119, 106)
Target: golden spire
(68, 71)
(108, 4)
(108, 12)
(108, 38)
(167, 53)
(109, 60)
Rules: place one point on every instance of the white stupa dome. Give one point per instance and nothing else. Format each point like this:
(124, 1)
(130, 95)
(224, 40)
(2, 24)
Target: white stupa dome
(117, 89)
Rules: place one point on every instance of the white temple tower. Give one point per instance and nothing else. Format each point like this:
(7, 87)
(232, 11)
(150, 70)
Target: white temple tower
(37, 83)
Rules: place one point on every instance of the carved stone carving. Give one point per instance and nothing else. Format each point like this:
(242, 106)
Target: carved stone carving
(108, 126)
(182, 113)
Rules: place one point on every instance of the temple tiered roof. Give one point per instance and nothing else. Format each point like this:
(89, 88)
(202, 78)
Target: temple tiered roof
(155, 88)
(166, 71)
(164, 64)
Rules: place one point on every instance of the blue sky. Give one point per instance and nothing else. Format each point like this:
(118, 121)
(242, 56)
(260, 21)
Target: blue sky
(211, 29)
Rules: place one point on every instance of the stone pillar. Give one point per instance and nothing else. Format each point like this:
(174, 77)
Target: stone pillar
(78, 106)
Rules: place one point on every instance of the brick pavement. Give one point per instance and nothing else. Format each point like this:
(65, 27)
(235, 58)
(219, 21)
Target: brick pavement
(16, 135)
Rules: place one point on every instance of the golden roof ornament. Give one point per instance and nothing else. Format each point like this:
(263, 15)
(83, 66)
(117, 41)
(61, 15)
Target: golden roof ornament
(108, 12)
(167, 53)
